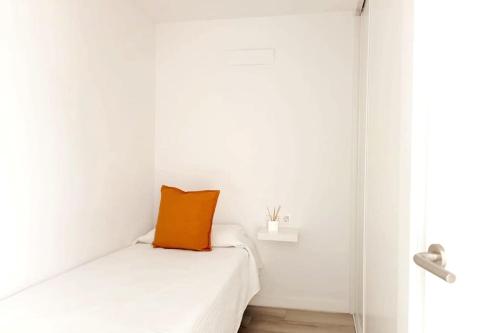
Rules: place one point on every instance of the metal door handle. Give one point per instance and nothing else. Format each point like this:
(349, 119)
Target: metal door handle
(434, 261)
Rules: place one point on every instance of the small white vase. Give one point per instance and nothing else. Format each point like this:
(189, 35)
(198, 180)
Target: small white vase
(272, 226)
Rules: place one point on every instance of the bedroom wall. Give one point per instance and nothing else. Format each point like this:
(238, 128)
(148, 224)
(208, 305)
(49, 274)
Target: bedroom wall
(76, 133)
(269, 131)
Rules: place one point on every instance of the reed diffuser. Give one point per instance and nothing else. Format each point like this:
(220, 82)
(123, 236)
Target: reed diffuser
(273, 220)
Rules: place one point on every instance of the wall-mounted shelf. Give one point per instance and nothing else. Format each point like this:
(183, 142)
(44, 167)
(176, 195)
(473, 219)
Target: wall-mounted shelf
(285, 234)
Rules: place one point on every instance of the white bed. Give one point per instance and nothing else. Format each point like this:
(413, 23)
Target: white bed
(141, 290)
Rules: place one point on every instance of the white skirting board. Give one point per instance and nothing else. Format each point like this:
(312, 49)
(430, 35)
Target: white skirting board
(302, 304)
(358, 323)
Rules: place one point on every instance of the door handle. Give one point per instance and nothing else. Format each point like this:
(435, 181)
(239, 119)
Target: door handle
(434, 261)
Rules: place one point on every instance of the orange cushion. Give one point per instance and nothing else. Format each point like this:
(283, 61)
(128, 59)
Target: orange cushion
(185, 219)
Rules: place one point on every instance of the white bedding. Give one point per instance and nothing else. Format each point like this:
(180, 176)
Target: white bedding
(140, 290)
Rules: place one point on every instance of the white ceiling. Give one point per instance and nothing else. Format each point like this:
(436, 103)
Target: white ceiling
(179, 10)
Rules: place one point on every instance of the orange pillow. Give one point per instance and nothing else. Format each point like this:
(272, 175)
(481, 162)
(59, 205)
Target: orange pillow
(185, 219)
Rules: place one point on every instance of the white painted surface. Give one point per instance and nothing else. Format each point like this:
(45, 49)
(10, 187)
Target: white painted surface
(387, 171)
(251, 57)
(182, 10)
(456, 86)
(284, 234)
(76, 134)
(358, 259)
(267, 135)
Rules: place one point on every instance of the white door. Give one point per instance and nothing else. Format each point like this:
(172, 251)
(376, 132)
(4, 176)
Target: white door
(456, 103)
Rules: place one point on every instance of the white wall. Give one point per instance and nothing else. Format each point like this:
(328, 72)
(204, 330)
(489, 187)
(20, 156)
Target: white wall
(387, 166)
(76, 134)
(265, 135)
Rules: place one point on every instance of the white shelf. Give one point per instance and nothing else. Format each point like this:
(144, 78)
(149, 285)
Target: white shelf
(285, 234)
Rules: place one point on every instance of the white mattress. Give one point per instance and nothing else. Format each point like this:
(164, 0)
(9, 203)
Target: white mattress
(140, 290)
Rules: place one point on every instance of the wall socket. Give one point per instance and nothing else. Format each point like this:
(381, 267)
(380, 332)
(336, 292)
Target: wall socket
(285, 219)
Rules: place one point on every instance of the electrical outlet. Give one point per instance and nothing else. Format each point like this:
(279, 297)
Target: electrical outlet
(285, 219)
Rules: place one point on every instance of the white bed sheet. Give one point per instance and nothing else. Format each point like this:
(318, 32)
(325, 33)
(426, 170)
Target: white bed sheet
(140, 290)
